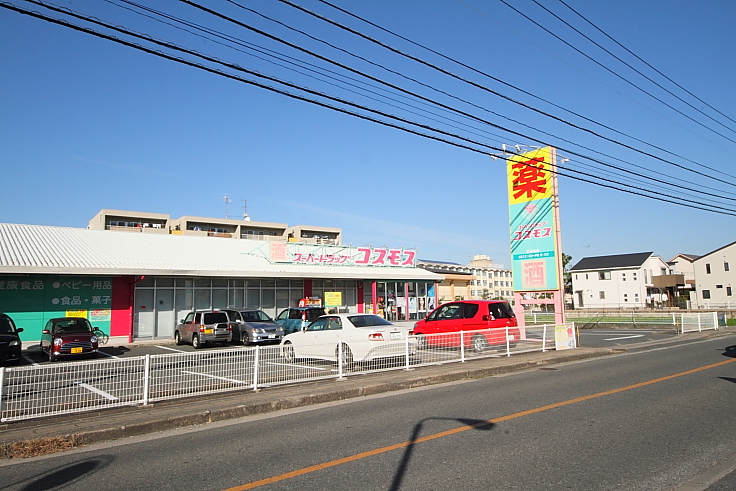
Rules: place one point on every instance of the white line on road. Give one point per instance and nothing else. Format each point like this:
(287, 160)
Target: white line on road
(108, 354)
(99, 392)
(232, 380)
(293, 365)
(625, 337)
(170, 349)
(29, 360)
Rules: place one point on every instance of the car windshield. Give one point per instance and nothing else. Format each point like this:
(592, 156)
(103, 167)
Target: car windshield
(368, 321)
(215, 317)
(71, 325)
(256, 316)
(5, 326)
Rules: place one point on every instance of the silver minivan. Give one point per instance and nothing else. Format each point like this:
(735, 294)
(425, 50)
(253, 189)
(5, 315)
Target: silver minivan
(204, 326)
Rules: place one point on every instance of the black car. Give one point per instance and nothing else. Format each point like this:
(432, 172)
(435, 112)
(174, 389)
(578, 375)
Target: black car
(10, 344)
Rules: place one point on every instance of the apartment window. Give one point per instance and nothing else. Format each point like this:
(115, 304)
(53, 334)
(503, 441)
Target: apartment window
(576, 277)
(634, 276)
(623, 276)
(663, 271)
(728, 291)
(602, 295)
(725, 266)
(636, 297)
(626, 297)
(586, 276)
(707, 268)
(604, 275)
(706, 294)
(719, 286)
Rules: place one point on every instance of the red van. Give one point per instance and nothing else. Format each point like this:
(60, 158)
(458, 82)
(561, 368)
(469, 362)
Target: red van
(489, 317)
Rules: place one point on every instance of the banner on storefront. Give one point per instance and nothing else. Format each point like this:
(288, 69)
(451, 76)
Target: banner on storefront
(333, 299)
(288, 252)
(534, 249)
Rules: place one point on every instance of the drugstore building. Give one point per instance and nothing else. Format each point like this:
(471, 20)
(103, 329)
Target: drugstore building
(136, 286)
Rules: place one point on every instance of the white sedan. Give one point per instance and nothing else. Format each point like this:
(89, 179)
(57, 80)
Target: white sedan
(354, 337)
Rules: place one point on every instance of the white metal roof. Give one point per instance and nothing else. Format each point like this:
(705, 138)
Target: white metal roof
(59, 250)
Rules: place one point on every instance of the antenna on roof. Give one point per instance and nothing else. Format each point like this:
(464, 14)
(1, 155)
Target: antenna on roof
(227, 206)
(245, 210)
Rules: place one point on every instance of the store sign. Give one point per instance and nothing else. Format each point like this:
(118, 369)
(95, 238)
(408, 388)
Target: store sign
(333, 299)
(285, 252)
(534, 254)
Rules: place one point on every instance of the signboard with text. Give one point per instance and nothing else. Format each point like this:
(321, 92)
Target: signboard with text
(289, 252)
(534, 254)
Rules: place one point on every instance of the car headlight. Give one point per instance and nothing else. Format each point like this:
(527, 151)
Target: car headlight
(93, 339)
(258, 329)
(58, 342)
(14, 342)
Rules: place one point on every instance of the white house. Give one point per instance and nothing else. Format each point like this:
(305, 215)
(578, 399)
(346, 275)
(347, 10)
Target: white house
(620, 281)
(714, 279)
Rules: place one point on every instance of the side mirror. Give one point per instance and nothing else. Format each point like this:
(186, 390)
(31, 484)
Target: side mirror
(45, 331)
(486, 318)
(181, 321)
(20, 329)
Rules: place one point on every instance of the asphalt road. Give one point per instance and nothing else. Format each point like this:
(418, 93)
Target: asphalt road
(651, 420)
(612, 338)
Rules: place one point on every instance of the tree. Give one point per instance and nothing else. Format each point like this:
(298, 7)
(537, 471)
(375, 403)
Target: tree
(567, 275)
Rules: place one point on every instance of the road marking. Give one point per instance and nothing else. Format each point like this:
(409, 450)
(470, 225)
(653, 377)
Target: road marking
(625, 337)
(108, 354)
(99, 392)
(293, 365)
(170, 349)
(29, 360)
(215, 377)
(396, 446)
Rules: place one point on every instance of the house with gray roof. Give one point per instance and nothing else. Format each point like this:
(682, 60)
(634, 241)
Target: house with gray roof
(629, 281)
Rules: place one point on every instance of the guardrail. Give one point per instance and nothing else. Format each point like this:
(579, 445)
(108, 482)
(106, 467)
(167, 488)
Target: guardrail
(62, 388)
(682, 322)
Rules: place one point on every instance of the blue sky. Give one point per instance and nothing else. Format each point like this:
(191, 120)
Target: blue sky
(87, 124)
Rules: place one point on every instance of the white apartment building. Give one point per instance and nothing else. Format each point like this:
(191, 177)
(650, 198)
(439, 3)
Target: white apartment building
(714, 279)
(628, 281)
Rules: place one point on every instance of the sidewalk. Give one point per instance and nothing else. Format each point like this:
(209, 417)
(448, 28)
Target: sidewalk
(47, 435)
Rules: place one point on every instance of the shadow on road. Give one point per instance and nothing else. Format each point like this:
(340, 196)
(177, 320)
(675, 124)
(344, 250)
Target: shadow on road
(476, 424)
(61, 477)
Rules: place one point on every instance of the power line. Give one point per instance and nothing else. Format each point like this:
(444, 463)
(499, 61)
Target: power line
(647, 64)
(364, 36)
(299, 97)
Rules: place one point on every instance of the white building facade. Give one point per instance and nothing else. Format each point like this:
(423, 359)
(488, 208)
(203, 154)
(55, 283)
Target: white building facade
(618, 281)
(715, 279)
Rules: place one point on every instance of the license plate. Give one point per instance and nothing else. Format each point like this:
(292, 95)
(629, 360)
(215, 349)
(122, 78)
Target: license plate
(208, 331)
(76, 350)
(271, 336)
(395, 335)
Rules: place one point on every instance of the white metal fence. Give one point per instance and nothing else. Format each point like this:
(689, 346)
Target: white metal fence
(683, 322)
(61, 388)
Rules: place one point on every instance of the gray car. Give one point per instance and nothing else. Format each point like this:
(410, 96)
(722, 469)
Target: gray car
(204, 326)
(254, 326)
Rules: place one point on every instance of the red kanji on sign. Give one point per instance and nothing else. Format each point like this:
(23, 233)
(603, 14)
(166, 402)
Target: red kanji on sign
(533, 274)
(529, 178)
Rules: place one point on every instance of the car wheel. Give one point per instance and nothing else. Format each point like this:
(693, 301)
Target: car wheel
(421, 341)
(244, 339)
(52, 358)
(177, 338)
(347, 355)
(288, 352)
(479, 343)
(195, 342)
